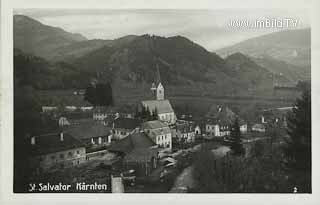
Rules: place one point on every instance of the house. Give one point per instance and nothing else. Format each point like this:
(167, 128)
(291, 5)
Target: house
(74, 118)
(185, 131)
(70, 108)
(159, 133)
(56, 150)
(275, 116)
(122, 127)
(49, 108)
(220, 120)
(86, 108)
(258, 128)
(139, 153)
(101, 112)
(197, 130)
(91, 134)
(159, 104)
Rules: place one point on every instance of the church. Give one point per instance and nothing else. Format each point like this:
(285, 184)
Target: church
(159, 103)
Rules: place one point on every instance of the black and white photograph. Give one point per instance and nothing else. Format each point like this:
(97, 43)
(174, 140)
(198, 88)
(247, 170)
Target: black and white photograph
(178, 101)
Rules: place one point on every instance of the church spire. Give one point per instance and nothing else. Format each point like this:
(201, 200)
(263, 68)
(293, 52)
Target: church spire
(157, 88)
(158, 77)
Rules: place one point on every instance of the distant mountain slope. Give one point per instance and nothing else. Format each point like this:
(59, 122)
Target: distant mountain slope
(33, 37)
(181, 63)
(291, 46)
(179, 59)
(247, 71)
(75, 50)
(292, 72)
(30, 70)
(130, 63)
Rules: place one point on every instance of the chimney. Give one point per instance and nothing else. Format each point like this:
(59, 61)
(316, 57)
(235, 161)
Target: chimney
(33, 140)
(61, 136)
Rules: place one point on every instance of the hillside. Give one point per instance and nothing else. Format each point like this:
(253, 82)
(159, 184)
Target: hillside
(130, 63)
(186, 68)
(38, 39)
(30, 70)
(291, 46)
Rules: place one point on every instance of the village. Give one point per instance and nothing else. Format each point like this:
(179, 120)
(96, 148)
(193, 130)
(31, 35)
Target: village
(151, 150)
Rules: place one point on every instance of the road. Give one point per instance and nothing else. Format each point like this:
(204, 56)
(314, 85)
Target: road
(183, 181)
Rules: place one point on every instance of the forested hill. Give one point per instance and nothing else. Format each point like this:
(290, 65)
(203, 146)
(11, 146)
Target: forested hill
(34, 71)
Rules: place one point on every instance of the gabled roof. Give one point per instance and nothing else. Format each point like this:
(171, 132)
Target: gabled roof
(163, 106)
(88, 130)
(136, 140)
(51, 143)
(126, 123)
(155, 124)
(144, 154)
(222, 115)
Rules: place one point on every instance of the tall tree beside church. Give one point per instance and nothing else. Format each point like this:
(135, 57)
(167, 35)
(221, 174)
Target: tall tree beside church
(155, 114)
(298, 147)
(99, 94)
(235, 136)
(90, 94)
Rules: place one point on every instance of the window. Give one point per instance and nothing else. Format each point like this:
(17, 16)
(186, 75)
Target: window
(78, 152)
(53, 157)
(61, 156)
(70, 154)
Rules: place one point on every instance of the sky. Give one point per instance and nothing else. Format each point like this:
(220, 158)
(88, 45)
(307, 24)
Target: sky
(209, 28)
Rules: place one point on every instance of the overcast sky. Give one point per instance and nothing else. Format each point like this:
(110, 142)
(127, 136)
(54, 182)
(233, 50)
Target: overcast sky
(208, 28)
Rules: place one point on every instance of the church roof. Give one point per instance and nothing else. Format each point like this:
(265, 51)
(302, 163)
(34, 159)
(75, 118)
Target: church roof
(163, 106)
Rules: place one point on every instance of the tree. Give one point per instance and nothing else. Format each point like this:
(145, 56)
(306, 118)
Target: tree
(235, 136)
(99, 94)
(298, 148)
(155, 114)
(90, 94)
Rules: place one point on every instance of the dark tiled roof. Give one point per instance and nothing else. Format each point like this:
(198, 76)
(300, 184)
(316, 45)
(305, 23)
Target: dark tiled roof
(88, 130)
(222, 116)
(51, 143)
(144, 154)
(154, 124)
(126, 123)
(135, 141)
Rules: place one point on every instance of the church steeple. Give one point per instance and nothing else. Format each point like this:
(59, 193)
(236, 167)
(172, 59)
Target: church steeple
(157, 88)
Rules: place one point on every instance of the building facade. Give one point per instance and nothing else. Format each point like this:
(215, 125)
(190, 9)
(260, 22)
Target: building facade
(56, 150)
(122, 127)
(159, 133)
